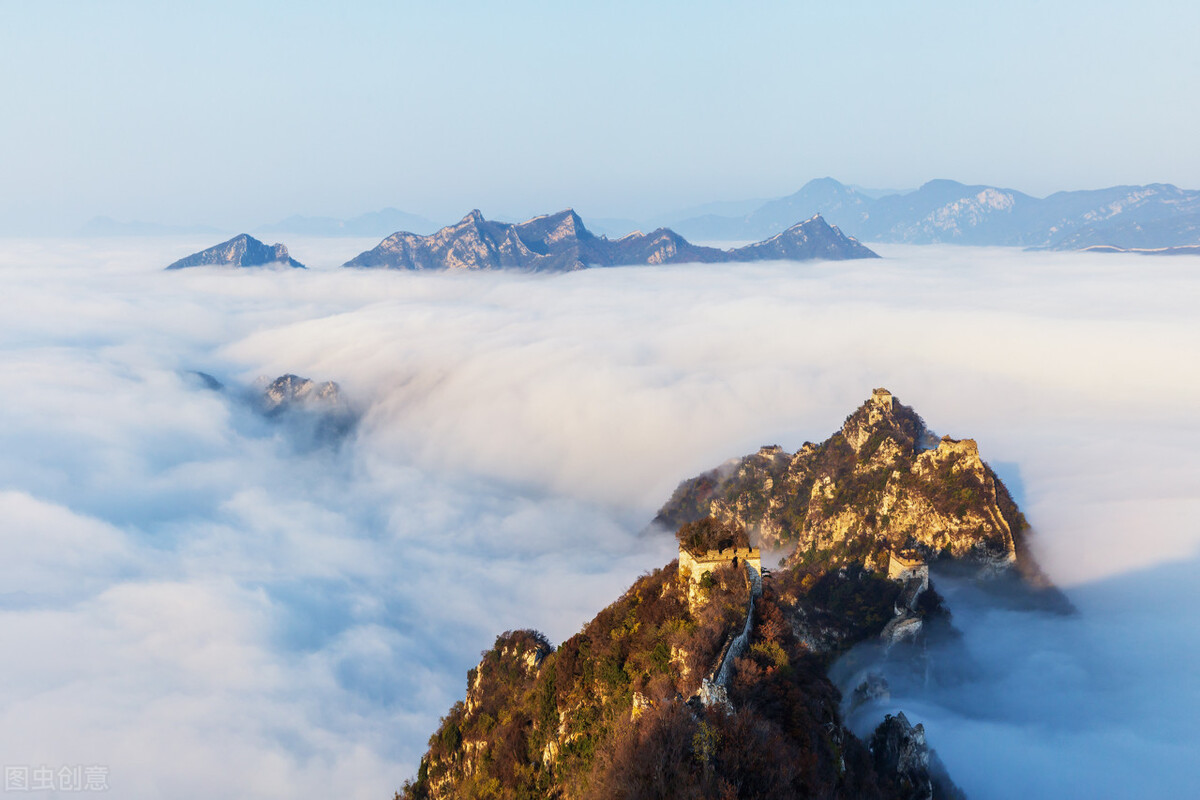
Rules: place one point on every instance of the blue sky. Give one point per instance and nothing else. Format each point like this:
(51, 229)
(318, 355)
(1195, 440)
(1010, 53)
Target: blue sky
(237, 114)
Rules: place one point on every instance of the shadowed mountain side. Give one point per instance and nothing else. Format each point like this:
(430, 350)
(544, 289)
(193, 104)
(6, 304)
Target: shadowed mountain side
(561, 243)
(242, 250)
(688, 686)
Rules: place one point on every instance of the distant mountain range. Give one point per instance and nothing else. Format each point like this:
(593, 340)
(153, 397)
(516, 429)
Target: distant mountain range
(1127, 217)
(242, 250)
(560, 242)
(1135, 218)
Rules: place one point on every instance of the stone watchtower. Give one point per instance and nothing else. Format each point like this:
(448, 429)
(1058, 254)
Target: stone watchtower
(695, 564)
(881, 404)
(907, 565)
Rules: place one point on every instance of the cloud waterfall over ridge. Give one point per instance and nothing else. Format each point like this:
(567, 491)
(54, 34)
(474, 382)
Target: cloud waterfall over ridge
(202, 606)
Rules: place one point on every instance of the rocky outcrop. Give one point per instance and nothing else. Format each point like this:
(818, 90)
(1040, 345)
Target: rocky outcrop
(316, 413)
(899, 750)
(604, 715)
(882, 483)
(516, 654)
(813, 238)
(506, 673)
(291, 391)
(561, 243)
(240, 251)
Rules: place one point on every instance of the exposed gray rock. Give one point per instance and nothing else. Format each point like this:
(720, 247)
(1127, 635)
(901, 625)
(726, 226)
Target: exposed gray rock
(900, 750)
(904, 627)
(810, 239)
(242, 250)
(881, 484)
(561, 242)
(316, 412)
(291, 391)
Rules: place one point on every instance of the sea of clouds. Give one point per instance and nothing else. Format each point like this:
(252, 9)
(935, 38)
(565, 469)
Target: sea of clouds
(202, 604)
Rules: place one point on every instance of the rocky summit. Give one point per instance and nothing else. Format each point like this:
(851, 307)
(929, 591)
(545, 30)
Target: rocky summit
(561, 242)
(316, 413)
(292, 391)
(711, 676)
(242, 250)
(880, 484)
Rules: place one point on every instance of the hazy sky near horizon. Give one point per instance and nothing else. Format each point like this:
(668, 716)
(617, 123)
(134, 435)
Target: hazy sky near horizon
(236, 114)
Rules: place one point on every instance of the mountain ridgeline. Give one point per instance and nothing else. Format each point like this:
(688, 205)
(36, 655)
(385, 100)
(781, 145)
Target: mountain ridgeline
(1154, 216)
(665, 696)
(242, 250)
(561, 242)
(882, 483)
(710, 677)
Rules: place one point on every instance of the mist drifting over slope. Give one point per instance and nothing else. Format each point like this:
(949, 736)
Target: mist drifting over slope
(210, 610)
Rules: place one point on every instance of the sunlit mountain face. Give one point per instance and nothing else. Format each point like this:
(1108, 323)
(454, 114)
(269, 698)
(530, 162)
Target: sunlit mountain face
(210, 591)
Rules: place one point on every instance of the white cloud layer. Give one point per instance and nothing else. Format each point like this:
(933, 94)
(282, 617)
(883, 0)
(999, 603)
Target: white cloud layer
(209, 609)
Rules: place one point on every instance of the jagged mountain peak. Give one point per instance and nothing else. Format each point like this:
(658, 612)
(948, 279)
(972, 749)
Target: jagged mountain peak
(810, 239)
(568, 214)
(561, 227)
(570, 218)
(291, 392)
(316, 414)
(561, 242)
(816, 220)
(711, 677)
(881, 483)
(242, 250)
(883, 414)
